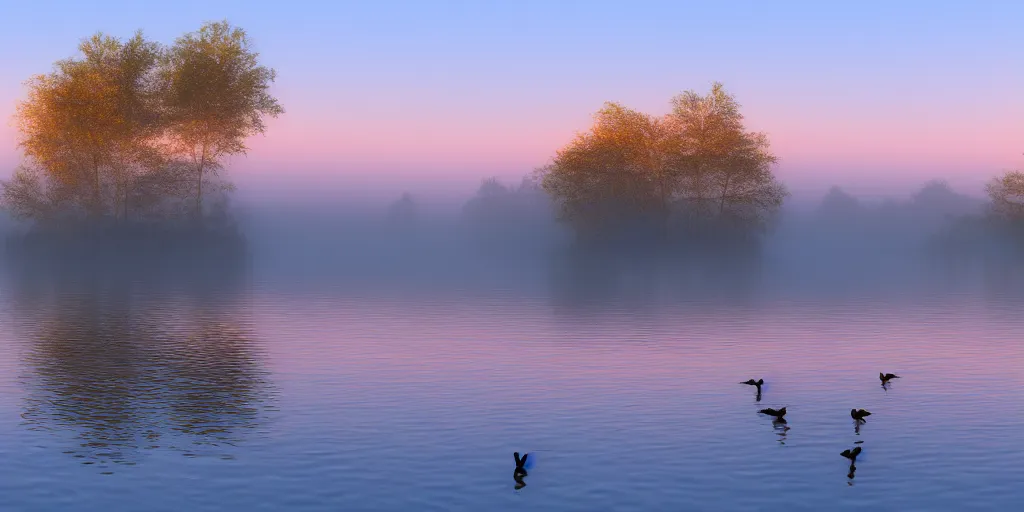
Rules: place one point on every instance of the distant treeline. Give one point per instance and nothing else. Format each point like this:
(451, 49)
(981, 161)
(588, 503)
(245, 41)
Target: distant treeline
(695, 174)
(134, 131)
(696, 177)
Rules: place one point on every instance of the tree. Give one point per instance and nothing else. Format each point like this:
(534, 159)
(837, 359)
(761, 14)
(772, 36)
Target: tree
(27, 196)
(937, 199)
(695, 167)
(1007, 195)
(140, 125)
(492, 187)
(216, 95)
(837, 204)
(507, 219)
(497, 204)
(131, 128)
(86, 127)
(402, 213)
(726, 170)
(614, 174)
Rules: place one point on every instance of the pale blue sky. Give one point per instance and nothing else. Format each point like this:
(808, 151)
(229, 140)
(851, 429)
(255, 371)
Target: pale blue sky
(851, 93)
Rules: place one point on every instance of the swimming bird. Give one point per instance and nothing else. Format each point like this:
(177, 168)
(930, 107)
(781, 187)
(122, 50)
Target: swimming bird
(520, 463)
(851, 454)
(778, 413)
(756, 383)
(859, 414)
(886, 377)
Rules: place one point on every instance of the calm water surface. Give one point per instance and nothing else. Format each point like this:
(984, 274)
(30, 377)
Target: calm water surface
(260, 397)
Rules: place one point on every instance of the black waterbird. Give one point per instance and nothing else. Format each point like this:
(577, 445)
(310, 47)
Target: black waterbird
(520, 470)
(886, 377)
(756, 383)
(778, 413)
(521, 463)
(859, 414)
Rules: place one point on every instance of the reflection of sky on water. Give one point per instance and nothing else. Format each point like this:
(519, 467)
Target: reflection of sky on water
(396, 399)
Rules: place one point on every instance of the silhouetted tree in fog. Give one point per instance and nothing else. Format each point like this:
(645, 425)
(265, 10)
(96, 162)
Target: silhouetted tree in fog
(506, 216)
(837, 204)
(496, 203)
(937, 199)
(994, 234)
(402, 213)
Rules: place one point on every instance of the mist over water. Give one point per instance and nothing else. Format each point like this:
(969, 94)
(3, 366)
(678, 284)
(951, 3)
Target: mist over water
(390, 355)
(833, 245)
(263, 267)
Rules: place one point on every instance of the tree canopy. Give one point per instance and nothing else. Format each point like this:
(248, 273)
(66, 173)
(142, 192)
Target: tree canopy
(87, 130)
(216, 96)
(130, 128)
(1007, 195)
(692, 170)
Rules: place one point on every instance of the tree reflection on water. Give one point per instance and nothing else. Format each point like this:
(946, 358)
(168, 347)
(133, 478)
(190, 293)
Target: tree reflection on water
(130, 365)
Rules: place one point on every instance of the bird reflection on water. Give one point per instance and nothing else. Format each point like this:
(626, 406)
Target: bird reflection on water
(852, 455)
(781, 428)
(518, 477)
(856, 426)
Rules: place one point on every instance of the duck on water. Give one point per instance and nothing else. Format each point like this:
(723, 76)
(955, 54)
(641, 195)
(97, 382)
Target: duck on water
(886, 377)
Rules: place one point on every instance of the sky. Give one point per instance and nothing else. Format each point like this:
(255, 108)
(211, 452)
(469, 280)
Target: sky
(875, 96)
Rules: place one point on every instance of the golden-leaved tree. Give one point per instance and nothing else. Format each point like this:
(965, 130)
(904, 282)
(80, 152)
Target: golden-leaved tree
(87, 130)
(695, 168)
(1007, 195)
(130, 128)
(216, 96)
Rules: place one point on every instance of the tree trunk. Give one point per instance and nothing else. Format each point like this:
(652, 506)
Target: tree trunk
(199, 184)
(96, 185)
(199, 193)
(725, 190)
(665, 212)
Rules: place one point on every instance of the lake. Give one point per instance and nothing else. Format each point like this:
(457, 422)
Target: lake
(280, 393)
